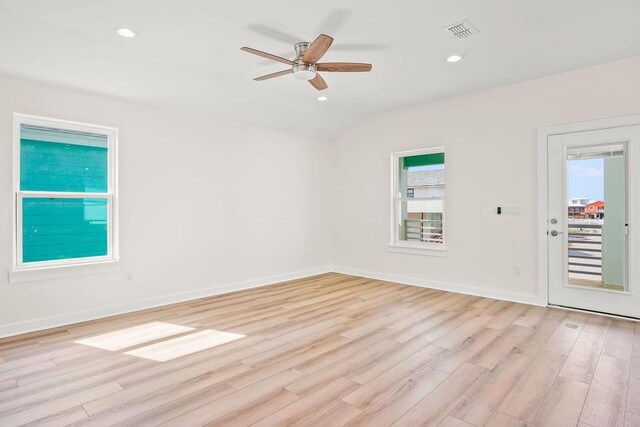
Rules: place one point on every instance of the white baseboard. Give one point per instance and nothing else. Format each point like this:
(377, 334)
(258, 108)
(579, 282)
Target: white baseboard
(83, 316)
(443, 286)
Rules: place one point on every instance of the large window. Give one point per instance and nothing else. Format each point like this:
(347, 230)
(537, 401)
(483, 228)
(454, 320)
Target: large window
(65, 193)
(418, 202)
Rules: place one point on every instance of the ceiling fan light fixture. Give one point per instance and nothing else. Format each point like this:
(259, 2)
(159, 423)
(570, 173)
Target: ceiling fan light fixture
(454, 58)
(304, 74)
(322, 98)
(304, 71)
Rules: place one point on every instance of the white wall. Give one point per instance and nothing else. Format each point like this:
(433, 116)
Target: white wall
(188, 228)
(490, 142)
(191, 222)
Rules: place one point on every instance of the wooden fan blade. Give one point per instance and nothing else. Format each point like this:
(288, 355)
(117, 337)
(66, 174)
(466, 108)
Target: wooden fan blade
(272, 75)
(318, 82)
(267, 55)
(319, 47)
(344, 67)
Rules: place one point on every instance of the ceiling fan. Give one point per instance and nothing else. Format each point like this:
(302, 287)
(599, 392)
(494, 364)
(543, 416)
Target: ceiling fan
(305, 66)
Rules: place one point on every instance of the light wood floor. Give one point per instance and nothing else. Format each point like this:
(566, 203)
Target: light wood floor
(329, 350)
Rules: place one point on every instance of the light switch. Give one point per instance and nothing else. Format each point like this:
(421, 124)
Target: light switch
(511, 210)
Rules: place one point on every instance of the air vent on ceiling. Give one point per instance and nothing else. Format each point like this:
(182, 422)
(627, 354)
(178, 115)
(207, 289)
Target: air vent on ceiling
(462, 29)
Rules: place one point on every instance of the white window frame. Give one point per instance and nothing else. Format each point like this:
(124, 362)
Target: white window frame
(403, 246)
(111, 196)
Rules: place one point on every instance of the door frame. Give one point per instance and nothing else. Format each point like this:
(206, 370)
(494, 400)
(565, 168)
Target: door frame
(543, 184)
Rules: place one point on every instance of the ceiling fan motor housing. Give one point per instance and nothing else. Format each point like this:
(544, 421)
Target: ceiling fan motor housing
(302, 70)
(301, 49)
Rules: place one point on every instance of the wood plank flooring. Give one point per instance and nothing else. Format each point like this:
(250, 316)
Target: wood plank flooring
(328, 350)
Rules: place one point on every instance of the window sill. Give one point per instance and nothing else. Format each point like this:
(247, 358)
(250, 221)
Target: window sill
(62, 271)
(418, 250)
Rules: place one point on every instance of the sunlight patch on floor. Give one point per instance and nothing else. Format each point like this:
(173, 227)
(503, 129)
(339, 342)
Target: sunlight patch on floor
(185, 345)
(136, 335)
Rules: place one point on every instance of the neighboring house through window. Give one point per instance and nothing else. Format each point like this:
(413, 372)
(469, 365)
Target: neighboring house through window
(65, 193)
(418, 199)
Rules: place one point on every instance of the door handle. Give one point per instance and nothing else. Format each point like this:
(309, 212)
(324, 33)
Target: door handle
(554, 233)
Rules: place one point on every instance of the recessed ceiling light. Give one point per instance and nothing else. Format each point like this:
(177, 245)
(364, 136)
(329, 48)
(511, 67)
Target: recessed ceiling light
(322, 98)
(454, 58)
(126, 32)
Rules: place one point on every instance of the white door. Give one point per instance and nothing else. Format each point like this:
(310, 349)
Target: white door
(593, 202)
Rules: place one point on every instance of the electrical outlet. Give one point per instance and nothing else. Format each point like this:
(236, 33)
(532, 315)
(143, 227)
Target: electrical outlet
(128, 276)
(517, 271)
(306, 253)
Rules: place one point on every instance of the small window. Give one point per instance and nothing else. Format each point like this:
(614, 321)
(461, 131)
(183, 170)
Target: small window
(65, 195)
(418, 199)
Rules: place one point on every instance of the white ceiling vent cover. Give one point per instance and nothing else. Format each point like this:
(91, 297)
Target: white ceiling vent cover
(462, 30)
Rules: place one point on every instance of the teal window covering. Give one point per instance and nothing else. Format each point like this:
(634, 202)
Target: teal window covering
(54, 229)
(423, 160)
(61, 161)
(55, 160)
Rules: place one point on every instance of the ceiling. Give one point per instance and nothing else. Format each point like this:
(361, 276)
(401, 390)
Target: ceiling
(187, 53)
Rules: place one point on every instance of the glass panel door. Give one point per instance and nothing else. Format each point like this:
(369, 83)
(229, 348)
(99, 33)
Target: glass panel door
(592, 194)
(597, 216)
